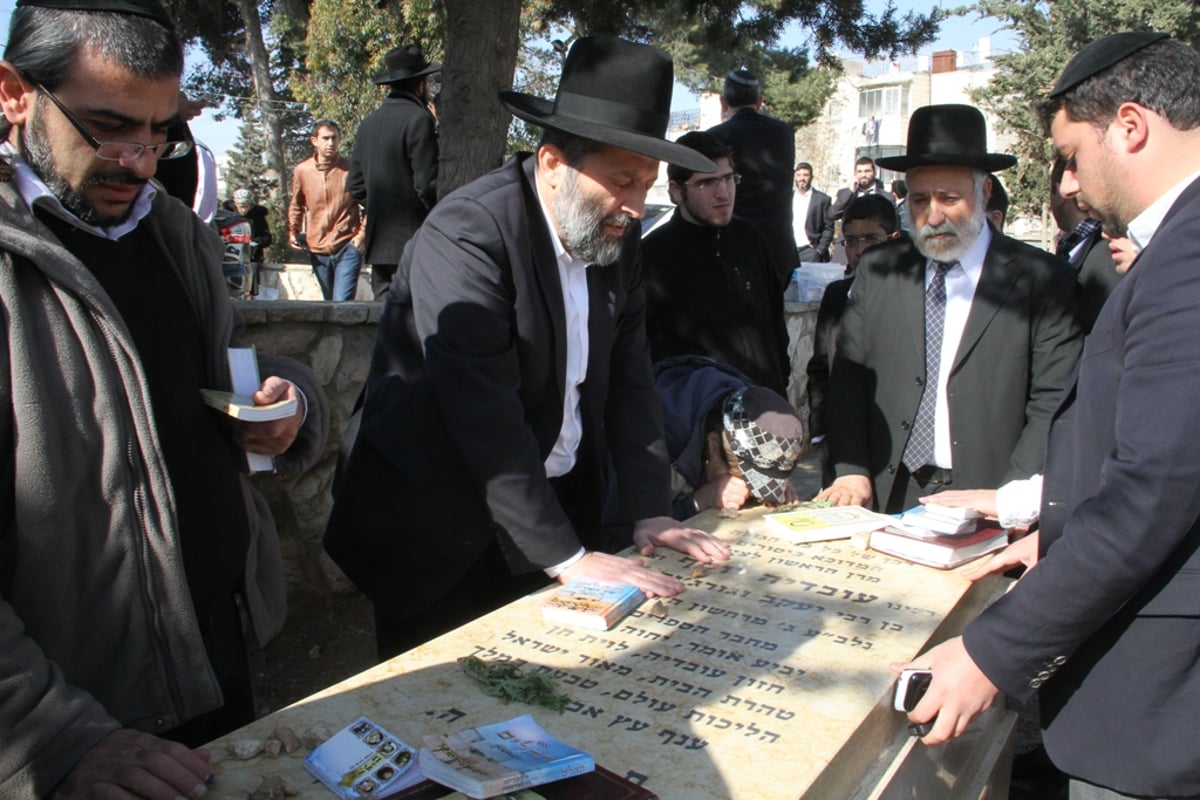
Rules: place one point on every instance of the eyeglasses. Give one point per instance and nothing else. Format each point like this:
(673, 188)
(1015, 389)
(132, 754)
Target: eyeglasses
(708, 184)
(118, 151)
(862, 241)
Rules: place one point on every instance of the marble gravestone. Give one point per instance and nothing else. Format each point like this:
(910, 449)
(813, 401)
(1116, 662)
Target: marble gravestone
(768, 678)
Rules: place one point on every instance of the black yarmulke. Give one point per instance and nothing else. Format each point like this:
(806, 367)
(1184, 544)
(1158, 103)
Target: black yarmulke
(1101, 54)
(142, 8)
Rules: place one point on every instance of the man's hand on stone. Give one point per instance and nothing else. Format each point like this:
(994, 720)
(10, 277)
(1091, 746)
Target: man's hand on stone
(605, 567)
(848, 490)
(666, 532)
(133, 764)
(275, 436)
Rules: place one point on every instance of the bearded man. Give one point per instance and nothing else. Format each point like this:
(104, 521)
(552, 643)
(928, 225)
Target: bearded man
(956, 345)
(512, 364)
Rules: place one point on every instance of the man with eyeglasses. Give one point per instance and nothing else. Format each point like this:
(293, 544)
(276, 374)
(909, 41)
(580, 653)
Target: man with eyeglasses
(131, 540)
(711, 287)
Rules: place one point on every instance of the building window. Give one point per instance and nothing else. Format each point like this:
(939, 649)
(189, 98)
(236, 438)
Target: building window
(884, 101)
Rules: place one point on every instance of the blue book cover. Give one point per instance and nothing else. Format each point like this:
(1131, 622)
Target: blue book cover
(592, 604)
(501, 757)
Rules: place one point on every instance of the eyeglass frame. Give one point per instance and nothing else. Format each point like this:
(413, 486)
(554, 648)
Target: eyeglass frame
(706, 185)
(136, 149)
(865, 241)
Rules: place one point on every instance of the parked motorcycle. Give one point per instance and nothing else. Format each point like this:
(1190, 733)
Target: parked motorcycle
(241, 271)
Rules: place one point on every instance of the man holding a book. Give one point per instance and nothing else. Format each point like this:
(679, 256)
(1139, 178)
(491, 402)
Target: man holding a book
(132, 540)
(512, 366)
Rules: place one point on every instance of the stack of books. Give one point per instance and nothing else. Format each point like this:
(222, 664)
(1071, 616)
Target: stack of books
(939, 536)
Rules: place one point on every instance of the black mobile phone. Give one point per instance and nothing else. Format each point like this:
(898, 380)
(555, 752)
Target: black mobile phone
(910, 688)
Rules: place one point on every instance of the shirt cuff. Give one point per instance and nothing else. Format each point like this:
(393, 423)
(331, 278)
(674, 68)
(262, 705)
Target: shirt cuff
(557, 569)
(1018, 503)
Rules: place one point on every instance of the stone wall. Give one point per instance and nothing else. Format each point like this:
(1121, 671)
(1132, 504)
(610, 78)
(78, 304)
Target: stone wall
(336, 340)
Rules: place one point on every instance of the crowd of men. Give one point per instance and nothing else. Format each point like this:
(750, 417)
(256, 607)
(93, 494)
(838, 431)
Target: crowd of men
(570, 389)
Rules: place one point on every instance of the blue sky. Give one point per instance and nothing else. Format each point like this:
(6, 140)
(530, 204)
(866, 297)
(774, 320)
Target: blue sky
(957, 33)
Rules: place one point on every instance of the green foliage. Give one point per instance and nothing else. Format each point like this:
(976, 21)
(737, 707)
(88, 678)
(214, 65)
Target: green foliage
(1050, 34)
(344, 50)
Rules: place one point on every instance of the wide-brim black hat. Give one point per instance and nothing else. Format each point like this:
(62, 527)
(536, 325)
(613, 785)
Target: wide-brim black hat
(614, 92)
(947, 136)
(404, 63)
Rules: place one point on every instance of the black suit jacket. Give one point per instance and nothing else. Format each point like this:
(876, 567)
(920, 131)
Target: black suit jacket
(1017, 354)
(1098, 277)
(818, 225)
(464, 401)
(1108, 622)
(764, 154)
(393, 173)
(846, 194)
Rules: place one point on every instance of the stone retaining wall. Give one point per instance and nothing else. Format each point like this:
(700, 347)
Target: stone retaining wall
(336, 340)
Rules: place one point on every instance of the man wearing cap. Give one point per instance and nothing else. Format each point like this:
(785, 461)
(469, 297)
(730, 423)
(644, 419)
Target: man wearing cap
(1105, 626)
(132, 543)
(730, 442)
(512, 365)
(710, 287)
(956, 344)
(393, 169)
(764, 148)
(242, 203)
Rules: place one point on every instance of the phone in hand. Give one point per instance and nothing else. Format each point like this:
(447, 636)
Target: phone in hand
(910, 688)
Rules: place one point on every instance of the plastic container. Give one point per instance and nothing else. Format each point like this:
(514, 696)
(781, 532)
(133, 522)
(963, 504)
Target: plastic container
(809, 281)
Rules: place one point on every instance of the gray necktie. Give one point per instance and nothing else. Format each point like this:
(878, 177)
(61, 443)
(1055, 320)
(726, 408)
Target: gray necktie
(919, 450)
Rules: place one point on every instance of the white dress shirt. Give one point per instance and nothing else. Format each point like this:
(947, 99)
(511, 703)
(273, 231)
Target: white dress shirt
(960, 291)
(572, 273)
(800, 204)
(1144, 225)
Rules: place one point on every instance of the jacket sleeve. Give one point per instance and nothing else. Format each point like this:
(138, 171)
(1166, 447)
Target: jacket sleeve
(423, 152)
(826, 236)
(296, 205)
(1055, 344)
(356, 183)
(463, 296)
(848, 396)
(47, 723)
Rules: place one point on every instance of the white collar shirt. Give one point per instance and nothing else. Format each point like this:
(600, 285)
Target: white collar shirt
(1143, 227)
(960, 292)
(572, 274)
(36, 193)
(800, 204)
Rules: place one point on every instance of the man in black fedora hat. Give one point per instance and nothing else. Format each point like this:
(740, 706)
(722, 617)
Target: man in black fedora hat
(393, 169)
(133, 541)
(512, 365)
(1105, 627)
(955, 344)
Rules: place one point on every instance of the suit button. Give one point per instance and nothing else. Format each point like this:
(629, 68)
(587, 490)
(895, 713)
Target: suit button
(1058, 662)
(1036, 683)
(920, 381)
(891, 468)
(904, 425)
(1044, 675)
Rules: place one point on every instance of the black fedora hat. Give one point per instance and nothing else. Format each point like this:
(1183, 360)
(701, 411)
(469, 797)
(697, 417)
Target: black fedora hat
(402, 63)
(615, 92)
(947, 136)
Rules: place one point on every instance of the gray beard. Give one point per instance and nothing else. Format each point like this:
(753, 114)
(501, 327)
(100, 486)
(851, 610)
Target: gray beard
(582, 224)
(965, 235)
